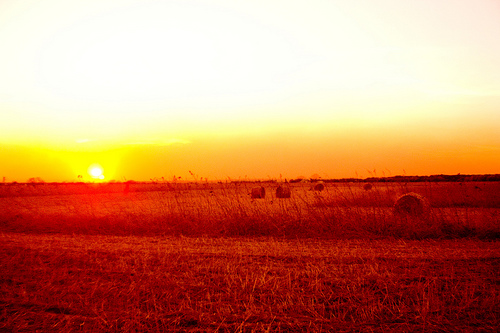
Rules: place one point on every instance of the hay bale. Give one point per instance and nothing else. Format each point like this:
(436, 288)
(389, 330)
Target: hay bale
(258, 192)
(283, 192)
(320, 186)
(412, 204)
(367, 187)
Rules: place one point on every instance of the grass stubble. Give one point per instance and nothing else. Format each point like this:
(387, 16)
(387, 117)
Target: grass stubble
(216, 260)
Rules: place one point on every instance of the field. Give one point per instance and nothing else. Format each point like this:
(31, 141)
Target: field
(205, 256)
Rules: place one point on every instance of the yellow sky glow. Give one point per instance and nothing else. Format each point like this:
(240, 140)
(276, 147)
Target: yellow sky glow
(248, 88)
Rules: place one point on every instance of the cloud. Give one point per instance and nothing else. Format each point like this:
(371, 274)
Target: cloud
(83, 140)
(160, 142)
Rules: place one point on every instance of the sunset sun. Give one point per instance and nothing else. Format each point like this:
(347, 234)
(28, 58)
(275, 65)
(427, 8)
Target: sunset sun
(96, 171)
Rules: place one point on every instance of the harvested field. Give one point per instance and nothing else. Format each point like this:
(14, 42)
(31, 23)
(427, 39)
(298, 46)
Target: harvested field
(156, 284)
(209, 257)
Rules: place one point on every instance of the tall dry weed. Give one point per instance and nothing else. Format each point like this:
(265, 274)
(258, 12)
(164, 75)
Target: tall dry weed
(227, 209)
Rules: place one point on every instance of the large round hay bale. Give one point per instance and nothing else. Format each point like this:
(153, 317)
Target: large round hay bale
(320, 186)
(412, 204)
(258, 192)
(367, 186)
(283, 192)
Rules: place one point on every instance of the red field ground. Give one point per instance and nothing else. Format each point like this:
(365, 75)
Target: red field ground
(207, 257)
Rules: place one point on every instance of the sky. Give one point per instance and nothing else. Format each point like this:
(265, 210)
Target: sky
(248, 89)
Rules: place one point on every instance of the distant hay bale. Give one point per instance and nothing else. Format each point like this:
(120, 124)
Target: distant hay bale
(283, 192)
(320, 186)
(367, 187)
(412, 204)
(258, 192)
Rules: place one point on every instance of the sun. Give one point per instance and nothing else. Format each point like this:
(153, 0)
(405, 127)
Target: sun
(95, 171)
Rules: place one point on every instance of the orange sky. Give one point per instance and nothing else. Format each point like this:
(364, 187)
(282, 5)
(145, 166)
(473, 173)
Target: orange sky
(253, 89)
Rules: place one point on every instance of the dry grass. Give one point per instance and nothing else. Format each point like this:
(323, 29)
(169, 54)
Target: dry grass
(155, 284)
(203, 209)
(95, 258)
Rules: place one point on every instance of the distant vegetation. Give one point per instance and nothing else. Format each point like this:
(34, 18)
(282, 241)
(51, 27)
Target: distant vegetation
(414, 179)
(392, 179)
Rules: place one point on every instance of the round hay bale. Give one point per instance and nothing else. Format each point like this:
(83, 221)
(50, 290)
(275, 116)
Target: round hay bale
(283, 192)
(412, 204)
(258, 192)
(367, 187)
(319, 186)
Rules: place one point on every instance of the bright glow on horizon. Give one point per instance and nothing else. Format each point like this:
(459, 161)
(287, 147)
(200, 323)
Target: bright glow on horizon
(399, 83)
(96, 171)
